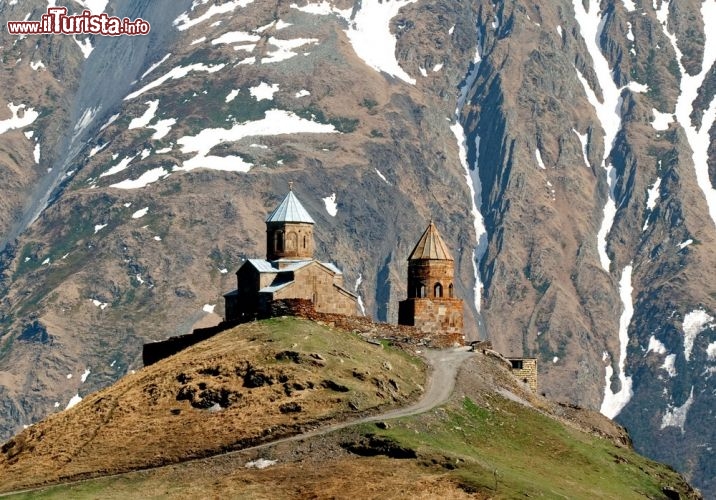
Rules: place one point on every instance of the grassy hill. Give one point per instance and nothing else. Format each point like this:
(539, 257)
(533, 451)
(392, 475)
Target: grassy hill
(492, 439)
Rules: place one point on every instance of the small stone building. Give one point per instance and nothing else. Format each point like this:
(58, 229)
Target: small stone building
(289, 270)
(525, 369)
(431, 305)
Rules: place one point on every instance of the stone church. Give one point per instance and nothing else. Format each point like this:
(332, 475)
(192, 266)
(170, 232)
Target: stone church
(289, 270)
(431, 305)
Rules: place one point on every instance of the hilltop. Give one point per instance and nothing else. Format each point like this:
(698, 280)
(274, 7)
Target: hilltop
(262, 382)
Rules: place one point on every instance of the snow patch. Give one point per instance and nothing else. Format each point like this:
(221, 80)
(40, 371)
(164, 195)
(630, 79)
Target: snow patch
(29, 115)
(36, 153)
(607, 111)
(183, 22)
(711, 351)
(36, 65)
(686, 243)
(264, 91)
(629, 5)
(676, 416)
(698, 139)
(285, 48)
(475, 188)
(656, 346)
(100, 304)
(382, 177)
(695, 322)
(369, 33)
(155, 66)
(119, 167)
(111, 120)
(614, 401)
(236, 37)
(653, 194)
(140, 213)
(232, 95)
(322, 9)
(84, 376)
(302, 93)
(437, 67)
(331, 205)
(670, 365)
(84, 45)
(661, 120)
(148, 177)
(99, 227)
(276, 122)
(175, 74)
(208, 308)
(539, 159)
(74, 401)
(147, 117)
(97, 149)
(162, 128)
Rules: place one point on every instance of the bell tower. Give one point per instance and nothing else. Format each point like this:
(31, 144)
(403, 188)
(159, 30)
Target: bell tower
(289, 231)
(431, 305)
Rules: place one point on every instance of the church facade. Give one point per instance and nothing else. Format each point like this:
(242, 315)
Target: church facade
(289, 270)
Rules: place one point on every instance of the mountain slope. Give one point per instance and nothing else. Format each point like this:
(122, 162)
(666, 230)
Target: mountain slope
(248, 385)
(493, 438)
(565, 151)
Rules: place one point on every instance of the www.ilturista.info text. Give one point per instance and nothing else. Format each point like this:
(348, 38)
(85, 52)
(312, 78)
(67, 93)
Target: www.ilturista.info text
(56, 21)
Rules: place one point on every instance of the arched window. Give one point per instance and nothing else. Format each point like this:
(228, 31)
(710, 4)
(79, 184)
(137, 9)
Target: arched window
(278, 241)
(421, 293)
(438, 290)
(450, 291)
(304, 241)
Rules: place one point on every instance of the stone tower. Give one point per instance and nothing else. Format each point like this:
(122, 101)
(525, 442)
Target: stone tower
(289, 231)
(431, 305)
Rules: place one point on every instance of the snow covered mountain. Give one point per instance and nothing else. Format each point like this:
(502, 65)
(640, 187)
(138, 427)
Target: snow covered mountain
(567, 150)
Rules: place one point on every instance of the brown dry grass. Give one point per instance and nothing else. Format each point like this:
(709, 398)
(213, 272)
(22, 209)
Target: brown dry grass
(139, 422)
(345, 477)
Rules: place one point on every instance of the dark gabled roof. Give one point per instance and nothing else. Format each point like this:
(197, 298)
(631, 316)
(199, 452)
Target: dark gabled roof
(430, 246)
(290, 210)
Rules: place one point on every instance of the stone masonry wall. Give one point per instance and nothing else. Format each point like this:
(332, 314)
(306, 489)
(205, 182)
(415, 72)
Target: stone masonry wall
(316, 283)
(528, 372)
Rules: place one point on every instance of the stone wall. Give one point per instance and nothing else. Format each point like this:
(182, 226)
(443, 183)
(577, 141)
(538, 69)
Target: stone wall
(156, 351)
(317, 284)
(428, 273)
(303, 308)
(436, 317)
(528, 371)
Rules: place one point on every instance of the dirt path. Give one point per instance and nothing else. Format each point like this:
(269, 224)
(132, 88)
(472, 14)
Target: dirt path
(443, 369)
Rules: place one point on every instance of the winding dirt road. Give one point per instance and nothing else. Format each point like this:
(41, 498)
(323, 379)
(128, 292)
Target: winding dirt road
(442, 375)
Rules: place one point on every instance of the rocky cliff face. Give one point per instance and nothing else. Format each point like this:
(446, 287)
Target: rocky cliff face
(566, 152)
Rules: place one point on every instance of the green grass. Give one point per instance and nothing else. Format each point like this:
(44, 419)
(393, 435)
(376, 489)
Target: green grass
(509, 450)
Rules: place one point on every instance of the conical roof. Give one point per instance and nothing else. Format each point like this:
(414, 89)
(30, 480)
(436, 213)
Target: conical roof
(290, 210)
(430, 246)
